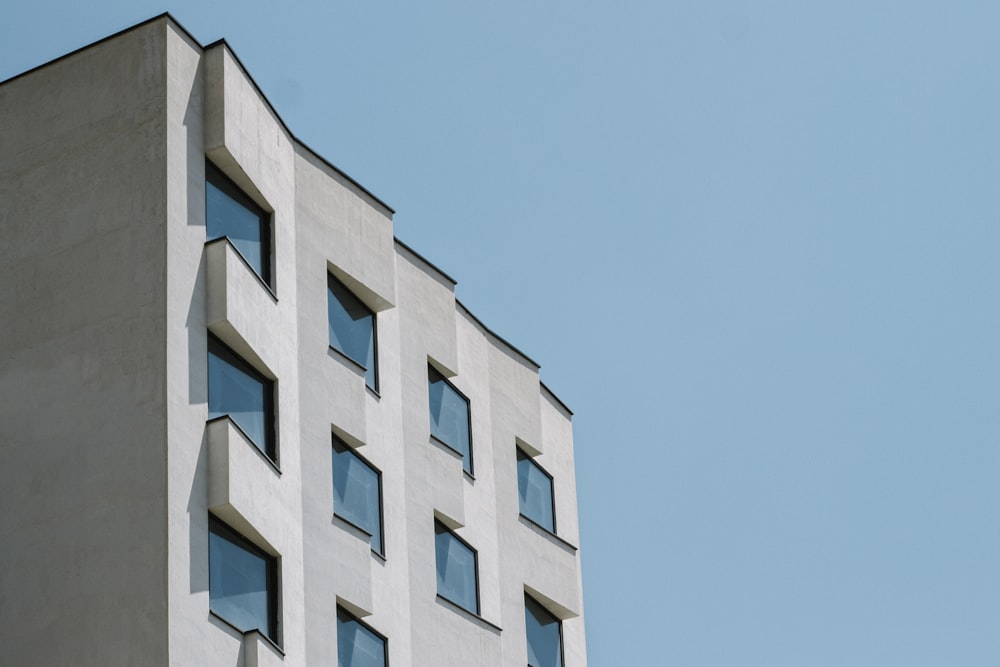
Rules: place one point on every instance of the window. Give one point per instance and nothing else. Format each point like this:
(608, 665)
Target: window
(544, 633)
(352, 328)
(230, 213)
(534, 490)
(450, 421)
(457, 575)
(242, 581)
(237, 390)
(357, 492)
(357, 644)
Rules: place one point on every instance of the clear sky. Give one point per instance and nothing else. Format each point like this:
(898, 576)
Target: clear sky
(754, 245)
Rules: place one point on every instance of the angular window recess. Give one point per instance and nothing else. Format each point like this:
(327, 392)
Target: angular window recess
(544, 632)
(236, 389)
(534, 491)
(450, 418)
(357, 492)
(457, 569)
(242, 581)
(231, 213)
(357, 644)
(352, 329)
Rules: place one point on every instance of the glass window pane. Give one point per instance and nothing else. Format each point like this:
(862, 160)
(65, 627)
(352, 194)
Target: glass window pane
(357, 493)
(357, 646)
(235, 392)
(230, 213)
(352, 328)
(239, 582)
(449, 412)
(535, 492)
(544, 636)
(456, 570)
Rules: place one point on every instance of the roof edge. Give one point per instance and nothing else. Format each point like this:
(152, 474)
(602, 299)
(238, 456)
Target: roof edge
(205, 47)
(281, 121)
(423, 259)
(503, 341)
(555, 398)
(102, 40)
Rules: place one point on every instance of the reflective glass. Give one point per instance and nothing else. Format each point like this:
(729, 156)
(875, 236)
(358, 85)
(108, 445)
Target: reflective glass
(534, 488)
(357, 646)
(450, 417)
(235, 390)
(230, 213)
(239, 582)
(456, 570)
(357, 493)
(544, 636)
(352, 328)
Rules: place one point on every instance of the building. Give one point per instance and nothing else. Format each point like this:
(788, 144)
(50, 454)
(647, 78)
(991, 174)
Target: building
(241, 423)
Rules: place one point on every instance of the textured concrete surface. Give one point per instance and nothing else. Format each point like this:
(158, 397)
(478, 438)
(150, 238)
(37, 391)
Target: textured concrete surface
(110, 468)
(83, 426)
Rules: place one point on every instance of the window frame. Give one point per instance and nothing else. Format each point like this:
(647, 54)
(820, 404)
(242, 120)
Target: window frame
(562, 643)
(431, 373)
(351, 618)
(226, 354)
(226, 532)
(228, 187)
(374, 386)
(524, 456)
(440, 528)
(341, 446)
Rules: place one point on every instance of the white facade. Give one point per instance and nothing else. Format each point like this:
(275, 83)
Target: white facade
(111, 466)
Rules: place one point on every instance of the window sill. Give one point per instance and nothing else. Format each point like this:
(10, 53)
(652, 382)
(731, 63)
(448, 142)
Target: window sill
(353, 365)
(243, 259)
(247, 633)
(451, 450)
(546, 533)
(350, 362)
(271, 462)
(475, 618)
(352, 527)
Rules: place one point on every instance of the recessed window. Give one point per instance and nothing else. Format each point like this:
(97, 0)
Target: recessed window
(357, 492)
(450, 422)
(236, 389)
(534, 490)
(352, 328)
(242, 581)
(357, 644)
(457, 575)
(544, 632)
(230, 213)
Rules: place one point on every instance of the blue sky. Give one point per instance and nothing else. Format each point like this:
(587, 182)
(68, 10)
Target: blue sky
(753, 245)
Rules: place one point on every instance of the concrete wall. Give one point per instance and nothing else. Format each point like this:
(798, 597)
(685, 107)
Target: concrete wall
(216, 111)
(83, 429)
(113, 294)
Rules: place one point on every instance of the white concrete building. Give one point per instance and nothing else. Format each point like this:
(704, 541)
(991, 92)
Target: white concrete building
(241, 423)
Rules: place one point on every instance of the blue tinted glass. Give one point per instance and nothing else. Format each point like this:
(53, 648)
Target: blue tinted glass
(224, 216)
(238, 584)
(356, 494)
(544, 640)
(450, 417)
(234, 392)
(357, 646)
(352, 328)
(456, 570)
(534, 490)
